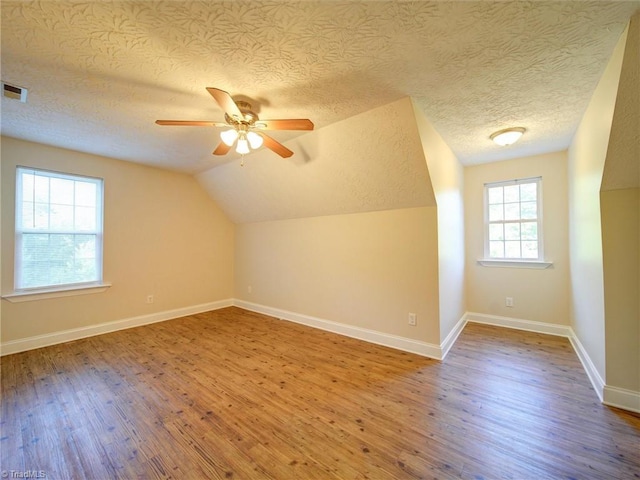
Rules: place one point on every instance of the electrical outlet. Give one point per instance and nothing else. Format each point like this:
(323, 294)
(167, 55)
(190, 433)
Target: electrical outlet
(509, 301)
(413, 319)
(149, 298)
(249, 289)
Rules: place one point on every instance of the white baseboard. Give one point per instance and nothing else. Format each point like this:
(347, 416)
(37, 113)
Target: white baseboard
(46, 340)
(448, 342)
(622, 398)
(520, 324)
(372, 336)
(596, 379)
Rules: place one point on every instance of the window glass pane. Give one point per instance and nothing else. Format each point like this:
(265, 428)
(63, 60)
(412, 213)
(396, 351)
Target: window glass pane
(41, 220)
(496, 232)
(512, 211)
(496, 213)
(58, 259)
(62, 191)
(41, 189)
(27, 186)
(496, 249)
(528, 210)
(27, 215)
(34, 246)
(495, 195)
(85, 263)
(511, 194)
(512, 249)
(61, 217)
(61, 246)
(86, 194)
(85, 218)
(85, 246)
(529, 231)
(528, 192)
(35, 259)
(85, 270)
(529, 249)
(512, 231)
(31, 275)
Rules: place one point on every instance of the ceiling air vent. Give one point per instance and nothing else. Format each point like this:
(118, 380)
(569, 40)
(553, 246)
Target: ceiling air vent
(17, 93)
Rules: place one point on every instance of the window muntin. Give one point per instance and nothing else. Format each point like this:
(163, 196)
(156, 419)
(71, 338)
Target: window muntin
(513, 214)
(58, 229)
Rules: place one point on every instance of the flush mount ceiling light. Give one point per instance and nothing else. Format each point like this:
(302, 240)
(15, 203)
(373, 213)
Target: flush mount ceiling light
(508, 136)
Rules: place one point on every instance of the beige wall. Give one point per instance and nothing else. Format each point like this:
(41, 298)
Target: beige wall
(538, 295)
(447, 180)
(620, 214)
(587, 154)
(621, 255)
(163, 235)
(367, 270)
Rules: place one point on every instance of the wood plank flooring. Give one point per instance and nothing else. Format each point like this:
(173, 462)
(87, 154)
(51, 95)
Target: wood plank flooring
(237, 395)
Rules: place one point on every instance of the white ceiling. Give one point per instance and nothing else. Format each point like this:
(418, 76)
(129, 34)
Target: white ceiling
(100, 73)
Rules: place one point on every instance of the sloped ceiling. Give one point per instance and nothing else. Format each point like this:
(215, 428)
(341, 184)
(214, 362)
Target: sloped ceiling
(622, 164)
(99, 73)
(372, 161)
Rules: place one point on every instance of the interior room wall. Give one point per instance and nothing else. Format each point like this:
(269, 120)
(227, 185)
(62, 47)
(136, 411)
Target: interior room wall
(620, 214)
(587, 154)
(163, 236)
(447, 179)
(620, 211)
(539, 295)
(367, 270)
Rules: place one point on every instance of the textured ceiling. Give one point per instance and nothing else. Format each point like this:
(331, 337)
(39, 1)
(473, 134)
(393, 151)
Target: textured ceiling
(100, 73)
(622, 165)
(386, 169)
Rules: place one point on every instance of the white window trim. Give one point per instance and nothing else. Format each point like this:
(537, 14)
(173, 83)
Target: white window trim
(57, 292)
(533, 263)
(64, 290)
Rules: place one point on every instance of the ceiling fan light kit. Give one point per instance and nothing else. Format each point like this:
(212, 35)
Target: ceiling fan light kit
(229, 137)
(508, 136)
(246, 129)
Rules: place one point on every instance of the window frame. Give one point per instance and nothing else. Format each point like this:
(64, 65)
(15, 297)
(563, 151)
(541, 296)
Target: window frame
(538, 262)
(58, 289)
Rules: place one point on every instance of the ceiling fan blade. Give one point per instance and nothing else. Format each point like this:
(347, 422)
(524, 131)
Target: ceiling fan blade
(288, 124)
(276, 146)
(226, 102)
(222, 149)
(191, 123)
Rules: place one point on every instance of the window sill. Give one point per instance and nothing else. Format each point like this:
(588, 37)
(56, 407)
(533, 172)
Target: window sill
(67, 291)
(535, 264)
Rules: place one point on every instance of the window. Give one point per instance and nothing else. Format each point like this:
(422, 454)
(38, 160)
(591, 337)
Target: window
(513, 227)
(58, 229)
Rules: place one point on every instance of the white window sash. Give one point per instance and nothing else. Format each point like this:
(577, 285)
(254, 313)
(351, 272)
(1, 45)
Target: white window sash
(538, 220)
(20, 231)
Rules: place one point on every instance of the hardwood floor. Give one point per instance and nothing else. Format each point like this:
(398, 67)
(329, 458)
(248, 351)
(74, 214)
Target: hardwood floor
(234, 394)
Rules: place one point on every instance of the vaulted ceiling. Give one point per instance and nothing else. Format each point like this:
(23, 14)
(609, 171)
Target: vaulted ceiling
(99, 73)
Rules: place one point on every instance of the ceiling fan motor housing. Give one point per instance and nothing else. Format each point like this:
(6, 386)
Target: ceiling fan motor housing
(250, 117)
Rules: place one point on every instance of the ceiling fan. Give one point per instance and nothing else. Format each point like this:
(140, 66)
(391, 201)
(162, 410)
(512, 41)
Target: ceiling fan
(246, 130)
